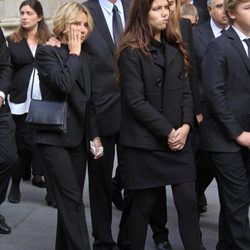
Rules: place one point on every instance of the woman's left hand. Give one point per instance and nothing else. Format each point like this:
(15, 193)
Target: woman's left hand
(178, 140)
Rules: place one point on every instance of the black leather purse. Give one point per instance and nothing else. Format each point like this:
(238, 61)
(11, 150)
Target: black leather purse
(45, 115)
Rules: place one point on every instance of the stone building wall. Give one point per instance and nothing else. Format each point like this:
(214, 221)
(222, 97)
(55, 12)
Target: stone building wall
(9, 12)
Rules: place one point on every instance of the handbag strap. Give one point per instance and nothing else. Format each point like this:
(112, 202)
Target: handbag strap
(34, 72)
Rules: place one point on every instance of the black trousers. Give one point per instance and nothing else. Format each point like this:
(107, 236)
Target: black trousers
(100, 183)
(186, 205)
(157, 220)
(230, 173)
(66, 169)
(7, 152)
(28, 154)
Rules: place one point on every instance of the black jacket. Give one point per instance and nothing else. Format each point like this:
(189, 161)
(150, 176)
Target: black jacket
(151, 109)
(226, 77)
(101, 49)
(5, 71)
(72, 81)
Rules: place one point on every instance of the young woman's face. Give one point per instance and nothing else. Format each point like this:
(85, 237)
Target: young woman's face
(29, 18)
(158, 16)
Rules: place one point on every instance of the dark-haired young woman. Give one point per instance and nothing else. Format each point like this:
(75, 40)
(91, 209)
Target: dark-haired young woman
(156, 120)
(32, 33)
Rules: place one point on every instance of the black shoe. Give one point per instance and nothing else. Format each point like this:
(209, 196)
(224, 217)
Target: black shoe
(163, 246)
(4, 228)
(38, 181)
(14, 195)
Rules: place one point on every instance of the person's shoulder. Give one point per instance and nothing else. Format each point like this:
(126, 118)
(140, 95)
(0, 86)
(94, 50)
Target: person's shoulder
(201, 28)
(46, 49)
(130, 51)
(89, 4)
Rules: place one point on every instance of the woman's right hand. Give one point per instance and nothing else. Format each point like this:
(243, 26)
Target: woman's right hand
(74, 40)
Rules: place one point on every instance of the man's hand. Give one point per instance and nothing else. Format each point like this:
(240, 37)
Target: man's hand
(54, 42)
(1, 101)
(244, 139)
(199, 118)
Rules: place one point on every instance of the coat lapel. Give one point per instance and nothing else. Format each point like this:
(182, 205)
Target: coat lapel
(170, 52)
(85, 85)
(26, 48)
(100, 24)
(207, 34)
(237, 44)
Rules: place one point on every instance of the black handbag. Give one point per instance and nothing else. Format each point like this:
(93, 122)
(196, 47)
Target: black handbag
(46, 115)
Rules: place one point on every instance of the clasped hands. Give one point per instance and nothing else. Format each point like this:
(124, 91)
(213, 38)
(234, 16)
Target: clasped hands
(177, 138)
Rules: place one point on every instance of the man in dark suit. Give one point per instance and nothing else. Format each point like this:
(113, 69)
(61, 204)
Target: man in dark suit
(7, 129)
(225, 129)
(202, 36)
(106, 95)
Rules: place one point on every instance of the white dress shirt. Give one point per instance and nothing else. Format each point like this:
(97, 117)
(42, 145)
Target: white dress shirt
(107, 9)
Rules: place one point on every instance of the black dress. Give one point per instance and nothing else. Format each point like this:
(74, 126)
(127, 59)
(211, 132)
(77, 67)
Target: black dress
(147, 168)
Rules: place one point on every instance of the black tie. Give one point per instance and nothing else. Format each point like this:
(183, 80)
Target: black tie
(222, 31)
(247, 41)
(117, 24)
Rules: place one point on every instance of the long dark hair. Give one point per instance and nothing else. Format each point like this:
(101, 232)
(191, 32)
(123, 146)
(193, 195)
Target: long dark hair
(138, 33)
(43, 32)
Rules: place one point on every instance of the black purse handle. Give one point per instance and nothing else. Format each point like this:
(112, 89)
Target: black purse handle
(33, 77)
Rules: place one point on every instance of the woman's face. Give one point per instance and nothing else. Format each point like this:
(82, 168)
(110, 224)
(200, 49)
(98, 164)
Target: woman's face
(158, 16)
(172, 5)
(29, 18)
(81, 26)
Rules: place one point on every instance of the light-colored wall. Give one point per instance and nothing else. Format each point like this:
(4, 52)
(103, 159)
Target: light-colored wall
(9, 12)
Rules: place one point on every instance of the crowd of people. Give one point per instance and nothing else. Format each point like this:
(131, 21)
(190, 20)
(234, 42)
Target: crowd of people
(164, 84)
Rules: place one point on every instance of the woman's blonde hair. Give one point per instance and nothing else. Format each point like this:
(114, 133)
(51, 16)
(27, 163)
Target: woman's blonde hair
(67, 15)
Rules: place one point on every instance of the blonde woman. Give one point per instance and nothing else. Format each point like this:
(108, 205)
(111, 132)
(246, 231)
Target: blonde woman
(65, 154)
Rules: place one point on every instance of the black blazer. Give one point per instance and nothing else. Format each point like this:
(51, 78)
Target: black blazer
(23, 63)
(202, 36)
(226, 76)
(150, 110)
(187, 36)
(72, 81)
(5, 71)
(100, 47)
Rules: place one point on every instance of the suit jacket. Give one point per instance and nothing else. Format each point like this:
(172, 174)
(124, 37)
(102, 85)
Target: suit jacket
(202, 36)
(23, 63)
(106, 94)
(226, 76)
(187, 36)
(5, 71)
(71, 81)
(150, 109)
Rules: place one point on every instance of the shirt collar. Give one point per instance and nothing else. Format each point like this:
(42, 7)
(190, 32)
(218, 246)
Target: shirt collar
(108, 6)
(215, 28)
(240, 34)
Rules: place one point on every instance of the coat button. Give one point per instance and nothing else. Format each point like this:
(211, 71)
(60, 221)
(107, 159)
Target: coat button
(158, 82)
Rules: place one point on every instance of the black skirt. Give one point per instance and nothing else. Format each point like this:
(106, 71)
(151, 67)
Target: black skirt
(147, 169)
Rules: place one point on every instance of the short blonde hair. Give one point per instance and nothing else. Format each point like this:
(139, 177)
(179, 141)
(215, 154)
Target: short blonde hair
(66, 15)
(231, 5)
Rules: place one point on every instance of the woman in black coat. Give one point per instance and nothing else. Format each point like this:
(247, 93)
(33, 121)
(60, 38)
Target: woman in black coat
(156, 119)
(65, 154)
(23, 43)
